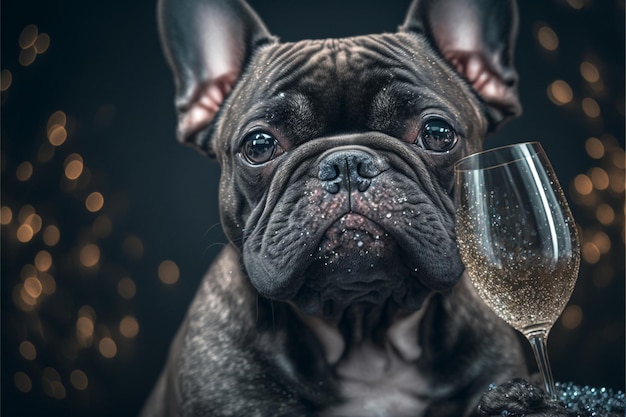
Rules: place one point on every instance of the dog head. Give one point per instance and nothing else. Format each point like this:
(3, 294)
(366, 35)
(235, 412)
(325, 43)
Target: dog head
(337, 154)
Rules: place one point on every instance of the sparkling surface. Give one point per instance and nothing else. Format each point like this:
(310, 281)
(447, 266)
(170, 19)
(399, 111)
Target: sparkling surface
(589, 401)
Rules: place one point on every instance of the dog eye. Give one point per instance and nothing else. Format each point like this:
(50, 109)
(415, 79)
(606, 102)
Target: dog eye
(260, 147)
(437, 135)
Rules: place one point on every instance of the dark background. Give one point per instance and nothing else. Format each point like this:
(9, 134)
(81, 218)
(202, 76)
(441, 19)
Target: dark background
(105, 71)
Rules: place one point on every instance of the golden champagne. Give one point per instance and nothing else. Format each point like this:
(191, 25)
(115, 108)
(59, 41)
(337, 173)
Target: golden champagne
(527, 290)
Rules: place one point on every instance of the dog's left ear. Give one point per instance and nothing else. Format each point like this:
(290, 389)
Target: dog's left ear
(477, 37)
(206, 43)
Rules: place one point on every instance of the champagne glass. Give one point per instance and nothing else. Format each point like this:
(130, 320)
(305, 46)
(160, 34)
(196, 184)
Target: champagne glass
(518, 240)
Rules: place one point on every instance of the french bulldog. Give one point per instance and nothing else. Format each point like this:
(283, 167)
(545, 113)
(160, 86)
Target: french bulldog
(341, 291)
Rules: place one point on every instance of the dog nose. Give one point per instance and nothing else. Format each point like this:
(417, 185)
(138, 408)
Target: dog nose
(351, 169)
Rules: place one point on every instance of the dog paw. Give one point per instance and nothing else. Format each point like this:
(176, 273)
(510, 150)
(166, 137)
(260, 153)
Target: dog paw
(518, 398)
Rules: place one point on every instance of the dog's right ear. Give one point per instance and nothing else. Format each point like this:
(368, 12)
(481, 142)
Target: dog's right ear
(207, 44)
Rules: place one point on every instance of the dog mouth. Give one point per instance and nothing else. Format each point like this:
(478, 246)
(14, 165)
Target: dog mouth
(353, 243)
(355, 262)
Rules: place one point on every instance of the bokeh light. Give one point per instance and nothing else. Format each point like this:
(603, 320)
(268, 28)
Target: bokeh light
(591, 107)
(126, 288)
(129, 327)
(24, 171)
(22, 382)
(27, 56)
(560, 93)
(548, 38)
(51, 235)
(79, 380)
(42, 43)
(57, 135)
(28, 36)
(168, 272)
(589, 72)
(572, 316)
(90, 255)
(73, 166)
(6, 215)
(6, 78)
(107, 347)
(576, 4)
(25, 233)
(94, 202)
(43, 261)
(28, 350)
(583, 184)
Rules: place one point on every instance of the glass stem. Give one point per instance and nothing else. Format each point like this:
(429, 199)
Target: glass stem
(540, 348)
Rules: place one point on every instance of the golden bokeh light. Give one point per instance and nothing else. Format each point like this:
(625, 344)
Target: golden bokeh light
(168, 272)
(94, 202)
(599, 178)
(25, 233)
(25, 212)
(602, 242)
(560, 93)
(24, 171)
(107, 347)
(42, 43)
(591, 107)
(90, 255)
(79, 380)
(22, 382)
(57, 135)
(52, 385)
(48, 284)
(28, 350)
(589, 72)
(28, 270)
(6, 78)
(616, 181)
(87, 311)
(22, 300)
(28, 36)
(618, 158)
(576, 4)
(6, 215)
(84, 327)
(34, 221)
(572, 317)
(27, 56)
(598, 87)
(126, 288)
(33, 287)
(26, 298)
(583, 184)
(590, 252)
(129, 327)
(58, 118)
(43, 261)
(73, 169)
(605, 214)
(51, 235)
(547, 38)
